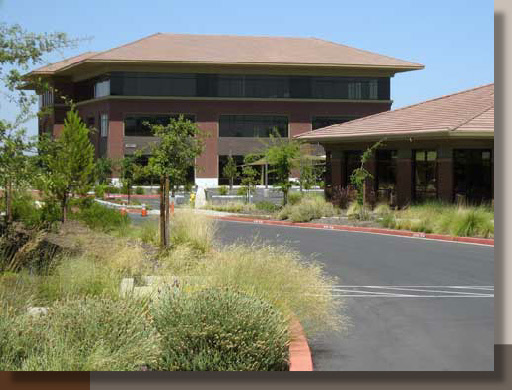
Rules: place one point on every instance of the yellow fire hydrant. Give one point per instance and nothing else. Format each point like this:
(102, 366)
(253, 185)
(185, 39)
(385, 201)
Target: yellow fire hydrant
(192, 200)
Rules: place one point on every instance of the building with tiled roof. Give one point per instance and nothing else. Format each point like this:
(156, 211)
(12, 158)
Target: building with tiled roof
(438, 149)
(236, 88)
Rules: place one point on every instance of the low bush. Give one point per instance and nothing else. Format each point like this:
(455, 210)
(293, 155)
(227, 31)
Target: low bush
(139, 191)
(436, 217)
(241, 191)
(233, 207)
(99, 191)
(86, 334)
(112, 189)
(102, 218)
(220, 330)
(34, 215)
(308, 208)
(294, 198)
(267, 206)
(197, 231)
(358, 211)
(223, 190)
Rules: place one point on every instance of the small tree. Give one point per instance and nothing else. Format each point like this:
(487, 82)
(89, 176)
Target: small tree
(230, 171)
(308, 177)
(282, 155)
(14, 163)
(103, 170)
(249, 175)
(360, 175)
(68, 162)
(171, 158)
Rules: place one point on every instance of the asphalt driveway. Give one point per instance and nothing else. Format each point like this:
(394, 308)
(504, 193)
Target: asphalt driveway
(413, 304)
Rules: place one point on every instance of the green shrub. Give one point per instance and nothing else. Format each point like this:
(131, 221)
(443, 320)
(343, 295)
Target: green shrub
(139, 191)
(382, 210)
(294, 198)
(436, 217)
(220, 330)
(308, 208)
(99, 190)
(86, 334)
(358, 211)
(267, 206)
(241, 191)
(112, 189)
(223, 190)
(233, 207)
(102, 218)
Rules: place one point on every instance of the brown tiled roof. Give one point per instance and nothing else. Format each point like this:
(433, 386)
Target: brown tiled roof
(461, 113)
(232, 49)
(52, 68)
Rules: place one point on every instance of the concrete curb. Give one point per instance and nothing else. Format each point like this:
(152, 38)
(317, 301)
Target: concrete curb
(392, 232)
(300, 354)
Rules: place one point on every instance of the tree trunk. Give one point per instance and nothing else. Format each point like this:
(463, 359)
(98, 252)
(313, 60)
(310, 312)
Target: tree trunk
(167, 212)
(163, 242)
(230, 183)
(8, 202)
(285, 197)
(128, 191)
(64, 203)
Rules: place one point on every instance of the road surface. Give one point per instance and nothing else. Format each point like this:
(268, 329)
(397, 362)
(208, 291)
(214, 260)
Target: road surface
(413, 304)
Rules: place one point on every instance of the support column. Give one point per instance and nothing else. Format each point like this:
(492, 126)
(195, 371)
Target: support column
(404, 177)
(445, 174)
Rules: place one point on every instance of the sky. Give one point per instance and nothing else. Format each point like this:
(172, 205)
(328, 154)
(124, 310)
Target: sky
(454, 39)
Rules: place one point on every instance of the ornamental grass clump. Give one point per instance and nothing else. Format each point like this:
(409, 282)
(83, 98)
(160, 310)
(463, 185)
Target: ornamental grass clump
(86, 334)
(220, 329)
(278, 275)
(192, 229)
(309, 207)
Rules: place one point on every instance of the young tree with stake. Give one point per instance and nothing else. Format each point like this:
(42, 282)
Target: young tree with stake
(179, 145)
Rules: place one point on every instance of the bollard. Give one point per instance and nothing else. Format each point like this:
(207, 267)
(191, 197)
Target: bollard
(172, 207)
(143, 211)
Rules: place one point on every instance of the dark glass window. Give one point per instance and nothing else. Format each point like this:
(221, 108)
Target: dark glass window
(154, 84)
(252, 125)
(233, 86)
(135, 125)
(385, 180)
(352, 161)
(324, 121)
(473, 174)
(425, 174)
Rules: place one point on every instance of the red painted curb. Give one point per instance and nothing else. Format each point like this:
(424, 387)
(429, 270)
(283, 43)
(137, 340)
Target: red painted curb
(300, 354)
(404, 233)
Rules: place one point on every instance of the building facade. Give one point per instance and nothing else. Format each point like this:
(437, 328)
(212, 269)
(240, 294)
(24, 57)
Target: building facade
(441, 149)
(237, 89)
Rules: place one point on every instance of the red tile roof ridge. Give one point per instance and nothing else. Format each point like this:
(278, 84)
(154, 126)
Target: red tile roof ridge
(473, 117)
(128, 44)
(92, 53)
(407, 107)
(365, 51)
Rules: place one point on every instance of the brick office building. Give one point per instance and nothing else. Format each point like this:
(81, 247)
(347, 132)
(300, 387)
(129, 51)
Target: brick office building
(438, 149)
(236, 88)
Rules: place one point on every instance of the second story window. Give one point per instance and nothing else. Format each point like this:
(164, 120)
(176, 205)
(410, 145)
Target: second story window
(102, 88)
(252, 125)
(46, 99)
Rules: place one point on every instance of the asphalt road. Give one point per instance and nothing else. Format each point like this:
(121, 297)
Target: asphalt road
(413, 304)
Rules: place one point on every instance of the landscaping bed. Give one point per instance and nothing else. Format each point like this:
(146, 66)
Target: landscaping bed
(69, 315)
